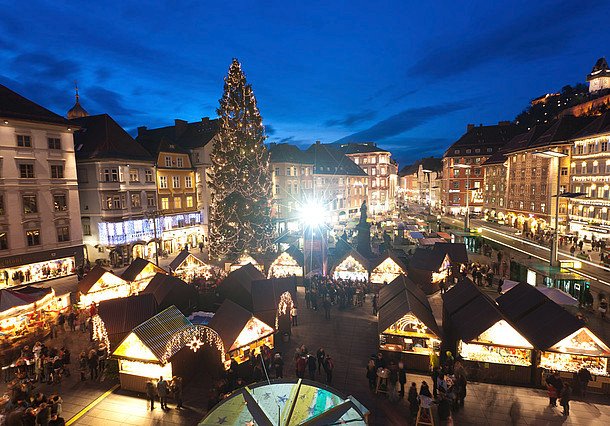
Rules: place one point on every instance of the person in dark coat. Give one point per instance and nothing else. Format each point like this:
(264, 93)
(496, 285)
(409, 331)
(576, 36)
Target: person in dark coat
(151, 393)
(329, 366)
(413, 401)
(371, 374)
(321, 356)
(311, 366)
(554, 386)
(278, 366)
(177, 390)
(584, 377)
(566, 396)
(402, 378)
(425, 390)
(162, 391)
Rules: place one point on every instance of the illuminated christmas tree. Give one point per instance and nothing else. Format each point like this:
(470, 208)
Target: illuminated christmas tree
(240, 176)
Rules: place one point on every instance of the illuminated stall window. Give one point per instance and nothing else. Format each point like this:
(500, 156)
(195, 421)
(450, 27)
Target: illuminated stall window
(351, 269)
(244, 260)
(107, 286)
(409, 334)
(580, 349)
(285, 266)
(386, 272)
(36, 272)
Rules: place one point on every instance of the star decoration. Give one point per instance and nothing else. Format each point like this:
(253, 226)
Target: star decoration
(282, 399)
(312, 410)
(250, 423)
(195, 344)
(222, 420)
(267, 395)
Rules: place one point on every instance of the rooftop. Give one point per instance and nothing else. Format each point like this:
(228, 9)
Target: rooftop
(13, 105)
(482, 137)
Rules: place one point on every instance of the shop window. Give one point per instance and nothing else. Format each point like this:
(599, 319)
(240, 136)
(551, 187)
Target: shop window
(26, 171)
(163, 182)
(136, 201)
(165, 203)
(175, 181)
(29, 204)
(63, 234)
(134, 175)
(57, 171)
(177, 203)
(3, 241)
(188, 182)
(168, 161)
(179, 162)
(24, 141)
(33, 237)
(189, 201)
(54, 143)
(151, 200)
(148, 175)
(60, 203)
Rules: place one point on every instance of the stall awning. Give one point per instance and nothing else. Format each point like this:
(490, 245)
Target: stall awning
(25, 296)
(182, 257)
(137, 266)
(444, 235)
(430, 241)
(121, 315)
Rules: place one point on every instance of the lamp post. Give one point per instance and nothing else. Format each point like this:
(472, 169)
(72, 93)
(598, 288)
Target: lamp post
(467, 216)
(555, 242)
(154, 214)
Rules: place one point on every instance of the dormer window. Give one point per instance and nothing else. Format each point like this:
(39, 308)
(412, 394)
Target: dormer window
(168, 161)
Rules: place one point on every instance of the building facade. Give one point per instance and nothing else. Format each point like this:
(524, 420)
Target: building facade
(116, 184)
(495, 187)
(462, 172)
(377, 163)
(421, 182)
(40, 230)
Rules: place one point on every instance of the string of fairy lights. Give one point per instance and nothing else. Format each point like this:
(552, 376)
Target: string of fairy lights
(240, 176)
(194, 337)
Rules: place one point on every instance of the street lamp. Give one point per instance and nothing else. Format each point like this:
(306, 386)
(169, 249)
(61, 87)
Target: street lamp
(554, 244)
(154, 214)
(467, 217)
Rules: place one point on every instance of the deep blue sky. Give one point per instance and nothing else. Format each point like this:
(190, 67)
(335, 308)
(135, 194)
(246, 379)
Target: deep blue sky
(408, 75)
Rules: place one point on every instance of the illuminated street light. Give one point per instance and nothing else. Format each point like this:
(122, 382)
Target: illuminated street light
(313, 213)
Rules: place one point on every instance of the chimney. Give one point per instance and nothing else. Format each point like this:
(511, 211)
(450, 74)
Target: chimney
(469, 127)
(504, 123)
(141, 130)
(179, 127)
(317, 142)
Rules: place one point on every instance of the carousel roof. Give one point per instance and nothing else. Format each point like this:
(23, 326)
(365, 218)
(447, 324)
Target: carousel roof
(137, 266)
(266, 296)
(121, 315)
(169, 290)
(237, 286)
(182, 256)
(542, 321)
(24, 296)
(297, 402)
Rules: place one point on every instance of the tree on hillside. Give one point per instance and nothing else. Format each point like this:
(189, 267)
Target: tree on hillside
(240, 176)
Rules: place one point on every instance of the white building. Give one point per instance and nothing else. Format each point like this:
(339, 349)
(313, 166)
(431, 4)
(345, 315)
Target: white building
(116, 183)
(599, 78)
(40, 229)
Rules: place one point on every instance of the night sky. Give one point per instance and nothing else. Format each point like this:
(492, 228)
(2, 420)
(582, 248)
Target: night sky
(408, 75)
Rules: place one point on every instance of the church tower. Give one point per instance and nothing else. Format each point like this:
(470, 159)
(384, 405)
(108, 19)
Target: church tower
(77, 111)
(599, 79)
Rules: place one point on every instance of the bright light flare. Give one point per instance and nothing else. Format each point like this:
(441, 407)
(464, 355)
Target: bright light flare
(313, 213)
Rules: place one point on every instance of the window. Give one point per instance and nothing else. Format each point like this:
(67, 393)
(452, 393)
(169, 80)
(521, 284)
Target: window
(60, 203)
(542, 207)
(607, 166)
(151, 200)
(29, 204)
(57, 171)
(477, 172)
(177, 202)
(163, 182)
(583, 168)
(189, 201)
(533, 189)
(134, 175)
(168, 161)
(288, 169)
(26, 171)
(33, 237)
(148, 175)
(2, 205)
(543, 188)
(276, 189)
(63, 234)
(136, 201)
(188, 182)
(532, 207)
(595, 168)
(3, 241)
(456, 172)
(356, 160)
(179, 162)
(54, 143)
(564, 171)
(477, 150)
(373, 160)
(175, 181)
(110, 175)
(24, 141)
(456, 185)
(165, 203)
(86, 226)
(604, 146)
(373, 171)
(457, 151)
(490, 150)
(468, 151)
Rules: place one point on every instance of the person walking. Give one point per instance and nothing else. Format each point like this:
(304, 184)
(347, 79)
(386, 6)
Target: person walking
(413, 401)
(177, 390)
(311, 366)
(328, 369)
(566, 396)
(371, 374)
(92, 361)
(584, 377)
(278, 366)
(375, 304)
(402, 378)
(151, 393)
(321, 356)
(301, 365)
(82, 364)
(293, 314)
(162, 391)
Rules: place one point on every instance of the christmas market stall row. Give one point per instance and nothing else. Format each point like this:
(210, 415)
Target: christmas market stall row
(520, 336)
(407, 328)
(355, 267)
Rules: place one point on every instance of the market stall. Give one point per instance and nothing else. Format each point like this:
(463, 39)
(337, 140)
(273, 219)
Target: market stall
(272, 300)
(139, 273)
(428, 268)
(244, 260)
(188, 267)
(100, 284)
(169, 290)
(241, 332)
(407, 328)
(296, 402)
(145, 354)
(387, 268)
(237, 286)
(288, 263)
(484, 337)
(351, 266)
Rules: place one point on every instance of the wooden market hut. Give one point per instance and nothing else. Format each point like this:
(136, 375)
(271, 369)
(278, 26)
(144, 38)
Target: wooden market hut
(237, 286)
(457, 255)
(407, 328)
(387, 268)
(476, 329)
(120, 316)
(566, 343)
(100, 284)
(140, 272)
(146, 353)
(243, 260)
(351, 266)
(271, 304)
(286, 264)
(188, 267)
(241, 332)
(428, 268)
(169, 290)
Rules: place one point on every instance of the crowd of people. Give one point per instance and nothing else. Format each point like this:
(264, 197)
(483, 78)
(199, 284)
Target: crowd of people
(327, 292)
(162, 389)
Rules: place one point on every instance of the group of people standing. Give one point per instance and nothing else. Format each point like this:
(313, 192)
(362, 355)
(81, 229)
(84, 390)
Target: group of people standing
(162, 389)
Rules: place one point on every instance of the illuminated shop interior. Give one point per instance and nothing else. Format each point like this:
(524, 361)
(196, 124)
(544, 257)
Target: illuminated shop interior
(580, 349)
(36, 272)
(386, 271)
(285, 266)
(351, 269)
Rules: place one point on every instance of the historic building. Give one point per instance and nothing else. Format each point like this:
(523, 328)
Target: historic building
(462, 171)
(40, 228)
(116, 184)
(599, 78)
(495, 187)
(382, 171)
(421, 181)
(197, 139)
(590, 176)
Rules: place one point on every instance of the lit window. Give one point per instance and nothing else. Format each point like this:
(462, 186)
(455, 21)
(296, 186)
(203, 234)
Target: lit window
(29, 204)
(177, 203)
(136, 201)
(189, 201)
(33, 237)
(165, 203)
(60, 203)
(134, 175)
